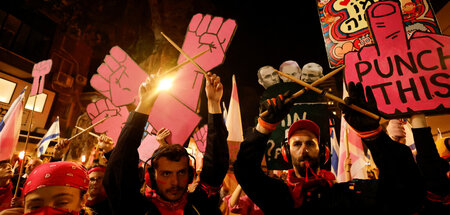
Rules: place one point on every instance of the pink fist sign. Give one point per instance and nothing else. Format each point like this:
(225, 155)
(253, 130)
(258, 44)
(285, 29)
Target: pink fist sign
(39, 71)
(200, 138)
(168, 112)
(119, 78)
(406, 76)
(114, 124)
(204, 33)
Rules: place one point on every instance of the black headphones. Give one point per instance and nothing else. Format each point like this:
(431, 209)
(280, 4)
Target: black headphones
(324, 153)
(151, 169)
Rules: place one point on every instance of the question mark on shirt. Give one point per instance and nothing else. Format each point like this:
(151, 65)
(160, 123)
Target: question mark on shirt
(269, 151)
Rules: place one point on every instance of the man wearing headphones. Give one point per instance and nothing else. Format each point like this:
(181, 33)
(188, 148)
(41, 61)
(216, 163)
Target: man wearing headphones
(170, 171)
(310, 189)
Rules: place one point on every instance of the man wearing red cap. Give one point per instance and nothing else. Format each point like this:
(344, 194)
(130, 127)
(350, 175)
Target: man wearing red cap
(309, 188)
(97, 200)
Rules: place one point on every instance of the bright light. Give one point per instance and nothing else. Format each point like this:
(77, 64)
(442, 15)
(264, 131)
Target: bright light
(83, 158)
(21, 155)
(165, 84)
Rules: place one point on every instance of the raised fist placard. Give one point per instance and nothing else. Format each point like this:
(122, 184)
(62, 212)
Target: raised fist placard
(39, 71)
(119, 78)
(406, 75)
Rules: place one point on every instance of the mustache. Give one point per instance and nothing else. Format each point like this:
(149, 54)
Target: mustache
(175, 189)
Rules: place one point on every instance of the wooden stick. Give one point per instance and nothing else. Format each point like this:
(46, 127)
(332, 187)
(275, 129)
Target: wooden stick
(93, 134)
(184, 53)
(88, 128)
(26, 141)
(300, 92)
(184, 63)
(330, 96)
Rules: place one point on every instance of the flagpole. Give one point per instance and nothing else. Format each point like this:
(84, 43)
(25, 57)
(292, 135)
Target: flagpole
(26, 145)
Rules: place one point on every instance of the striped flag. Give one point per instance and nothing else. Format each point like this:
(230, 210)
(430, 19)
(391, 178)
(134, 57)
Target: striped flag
(10, 127)
(351, 141)
(234, 123)
(334, 151)
(52, 133)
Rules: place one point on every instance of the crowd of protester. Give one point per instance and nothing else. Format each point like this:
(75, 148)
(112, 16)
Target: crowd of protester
(169, 182)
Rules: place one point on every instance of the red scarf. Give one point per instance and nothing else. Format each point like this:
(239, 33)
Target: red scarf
(6, 196)
(301, 186)
(167, 207)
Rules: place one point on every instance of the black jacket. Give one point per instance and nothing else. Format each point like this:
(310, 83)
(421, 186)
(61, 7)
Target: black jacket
(398, 189)
(434, 170)
(122, 183)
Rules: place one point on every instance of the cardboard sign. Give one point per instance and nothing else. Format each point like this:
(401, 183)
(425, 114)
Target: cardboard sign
(200, 138)
(168, 112)
(345, 27)
(111, 126)
(119, 78)
(308, 106)
(406, 75)
(39, 71)
(180, 107)
(148, 145)
(204, 32)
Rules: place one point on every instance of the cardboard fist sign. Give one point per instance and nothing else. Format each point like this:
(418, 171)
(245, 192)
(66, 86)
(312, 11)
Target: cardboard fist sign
(406, 76)
(119, 78)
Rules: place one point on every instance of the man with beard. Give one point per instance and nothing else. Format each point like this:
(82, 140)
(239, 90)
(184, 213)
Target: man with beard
(170, 170)
(310, 189)
(97, 200)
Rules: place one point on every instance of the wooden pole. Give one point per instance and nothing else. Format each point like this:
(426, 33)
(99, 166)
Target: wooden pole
(330, 96)
(182, 64)
(88, 128)
(184, 53)
(92, 134)
(300, 92)
(26, 145)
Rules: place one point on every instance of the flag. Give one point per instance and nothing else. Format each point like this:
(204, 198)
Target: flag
(349, 139)
(52, 133)
(334, 151)
(225, 113)
(10, 127)
(234, 123)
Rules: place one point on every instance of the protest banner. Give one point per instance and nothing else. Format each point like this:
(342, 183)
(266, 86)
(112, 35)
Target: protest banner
(407, 75)
(345, 28)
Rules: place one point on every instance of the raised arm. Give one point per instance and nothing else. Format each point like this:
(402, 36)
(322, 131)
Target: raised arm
(433, 168)
(271, 195)
(401, 187)
(216, 158)
(121, 179)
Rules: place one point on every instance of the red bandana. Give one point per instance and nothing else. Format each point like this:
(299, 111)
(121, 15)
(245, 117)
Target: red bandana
(97, 169)
(301, 186)
(167, 207)
(61, 173)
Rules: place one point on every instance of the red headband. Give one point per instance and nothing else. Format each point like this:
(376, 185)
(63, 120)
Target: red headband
(96, 169)
(61, 173)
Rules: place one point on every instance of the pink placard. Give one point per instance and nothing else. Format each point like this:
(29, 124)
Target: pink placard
(148, 145)
(406, 75)
(114, 124)
(119, 78)
(204, 32)
(200, 138)
(39, 71)
(168, 112)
